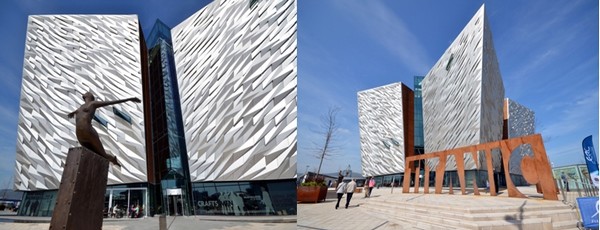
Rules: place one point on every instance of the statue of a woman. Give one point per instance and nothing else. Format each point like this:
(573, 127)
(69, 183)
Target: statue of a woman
(85, 132)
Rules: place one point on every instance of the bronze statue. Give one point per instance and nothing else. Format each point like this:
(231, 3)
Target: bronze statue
(85, 132)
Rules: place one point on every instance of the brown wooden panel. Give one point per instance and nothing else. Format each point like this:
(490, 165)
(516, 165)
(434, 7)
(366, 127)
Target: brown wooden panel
(408, 115)
(451, 190)
(536, 169)
(460, 166)
(426, 189)
(490, 170)
(543, 168)
(475, 188)
(80, 200)
(439, 174)
(506, 152)
(406, 182)
(417, 179)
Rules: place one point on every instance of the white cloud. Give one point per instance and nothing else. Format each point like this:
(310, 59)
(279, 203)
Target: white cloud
(388, 30)
(572, 118)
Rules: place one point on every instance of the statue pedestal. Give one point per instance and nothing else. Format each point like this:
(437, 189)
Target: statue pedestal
(80, 200)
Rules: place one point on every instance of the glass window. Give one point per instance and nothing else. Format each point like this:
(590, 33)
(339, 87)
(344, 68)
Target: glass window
(245, 198)
(100, 120)
(39, 203)
(449, 62)
(137, 203)
(120, 203)
(122, 115)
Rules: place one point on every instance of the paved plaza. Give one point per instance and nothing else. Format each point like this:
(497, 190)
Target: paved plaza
(386, 209)
(391, 209)
(173, 223)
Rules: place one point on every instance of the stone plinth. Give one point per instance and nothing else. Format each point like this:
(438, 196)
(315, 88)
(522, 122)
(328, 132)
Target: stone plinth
(80, 200)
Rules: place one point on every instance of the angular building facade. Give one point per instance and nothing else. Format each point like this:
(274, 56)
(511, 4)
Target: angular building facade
(463, 94)
(220, 88)
(237, 76)
(386, 124)
(518, 121)
(66, 56)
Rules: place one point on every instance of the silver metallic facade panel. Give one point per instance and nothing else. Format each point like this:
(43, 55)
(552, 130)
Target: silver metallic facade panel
(380, 121)
(463, 94)
(520, 122)
(237, 75)
(65, 56)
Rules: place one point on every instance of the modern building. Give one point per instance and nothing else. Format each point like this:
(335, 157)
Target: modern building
(460, 102)
(237, 76)
(66, 56)
(463, 95)
(575, 174)
(386, 123)
(169, 175)
(215, 132)
(518, 121)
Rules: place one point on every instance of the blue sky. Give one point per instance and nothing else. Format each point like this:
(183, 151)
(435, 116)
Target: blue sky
(547, 51)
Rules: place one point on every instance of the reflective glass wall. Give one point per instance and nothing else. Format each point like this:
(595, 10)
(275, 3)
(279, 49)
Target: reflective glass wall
(38, 203)
(170, 177)
(125, 202)
(419, 137)
(245, 198)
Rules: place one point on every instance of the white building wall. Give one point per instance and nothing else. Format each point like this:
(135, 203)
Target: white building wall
(382, 141)
(520, 122)
(66, 56)
(463, 95)
(237, 75)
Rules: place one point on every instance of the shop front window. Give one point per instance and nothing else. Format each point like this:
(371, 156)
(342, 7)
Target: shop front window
(39, 203)
(245, 198)
(125, 203)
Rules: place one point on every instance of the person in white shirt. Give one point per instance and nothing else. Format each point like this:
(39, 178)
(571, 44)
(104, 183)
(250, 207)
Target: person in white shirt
(341, 189)
(349, 191)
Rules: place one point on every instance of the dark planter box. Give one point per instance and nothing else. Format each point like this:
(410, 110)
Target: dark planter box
(311, 194)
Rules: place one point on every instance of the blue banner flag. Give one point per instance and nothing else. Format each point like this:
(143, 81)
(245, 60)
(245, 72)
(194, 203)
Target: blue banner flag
(590, 159)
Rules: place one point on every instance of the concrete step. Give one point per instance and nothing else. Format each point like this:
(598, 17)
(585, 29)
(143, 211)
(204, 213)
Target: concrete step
(557, 215)
(565, 225)
(417, 221)
(534, 223)
(563, 215)
(469, 206)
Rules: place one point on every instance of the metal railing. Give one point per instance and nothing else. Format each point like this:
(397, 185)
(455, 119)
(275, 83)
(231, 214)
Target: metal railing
(574, 189)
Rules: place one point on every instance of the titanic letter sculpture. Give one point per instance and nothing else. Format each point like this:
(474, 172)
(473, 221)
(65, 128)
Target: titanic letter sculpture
(86, 134)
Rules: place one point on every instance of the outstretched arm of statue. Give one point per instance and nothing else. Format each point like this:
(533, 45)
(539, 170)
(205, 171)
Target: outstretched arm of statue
(71, 114)
(105, 103)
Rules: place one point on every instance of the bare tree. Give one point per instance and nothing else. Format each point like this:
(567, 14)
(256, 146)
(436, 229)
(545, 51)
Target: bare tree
(329, 130)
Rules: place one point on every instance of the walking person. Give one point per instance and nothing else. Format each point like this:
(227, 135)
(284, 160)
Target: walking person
(563, 176)
(349, 191)
(366, 186)
(341, 189)
(371, 185)
(115, 211)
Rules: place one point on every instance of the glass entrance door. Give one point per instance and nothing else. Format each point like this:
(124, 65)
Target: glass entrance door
(174, 201)
(175, 204)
